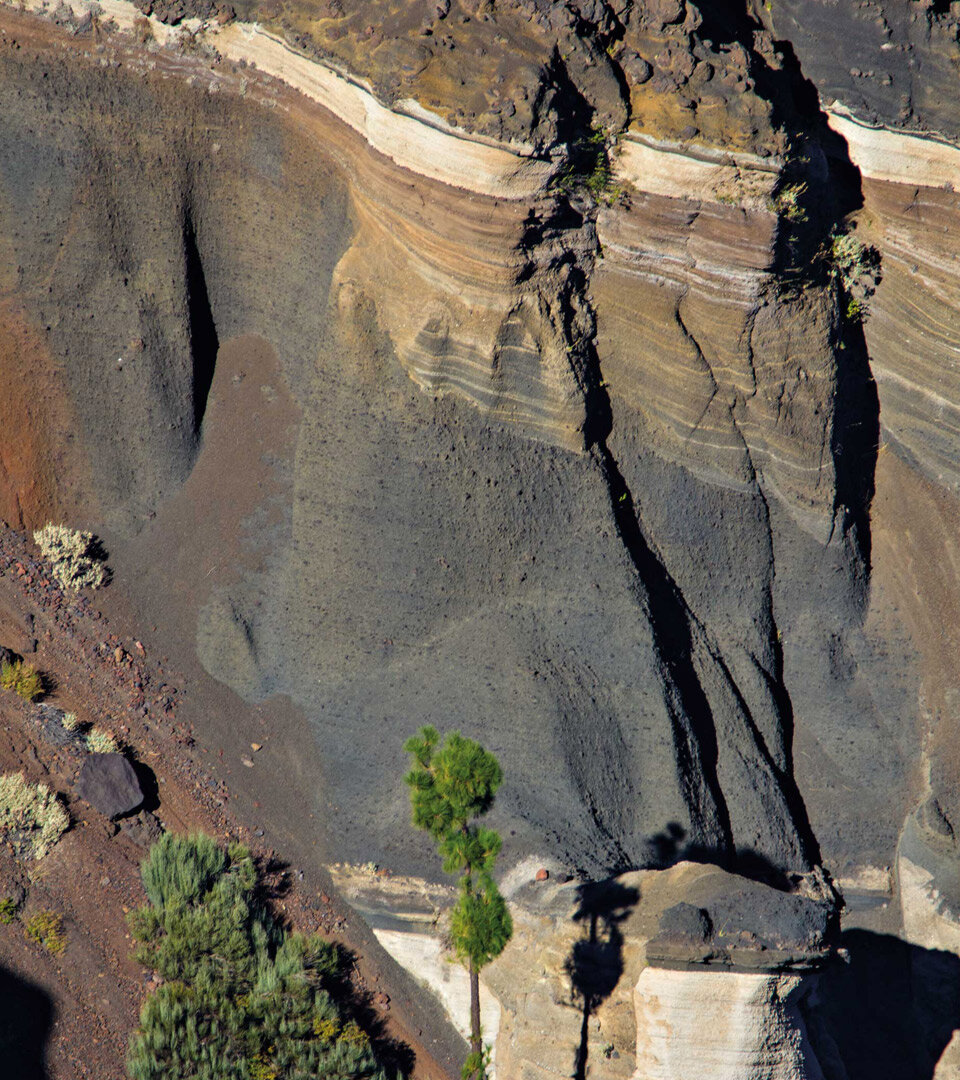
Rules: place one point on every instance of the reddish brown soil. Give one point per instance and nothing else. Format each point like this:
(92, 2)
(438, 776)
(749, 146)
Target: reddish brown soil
(94, 989)
(40, 478)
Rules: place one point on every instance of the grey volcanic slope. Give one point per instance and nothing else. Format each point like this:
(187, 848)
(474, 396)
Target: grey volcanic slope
(646, 642)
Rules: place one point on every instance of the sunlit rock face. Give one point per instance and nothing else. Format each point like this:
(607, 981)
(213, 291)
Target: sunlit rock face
(654, 975)
(631, 977)
(885, 76)
(892, 64)
(912, 329)
(448, 532)
(730, 1025)
(397, 385)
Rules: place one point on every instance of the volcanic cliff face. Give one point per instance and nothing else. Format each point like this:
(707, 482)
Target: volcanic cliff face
(496, 365)
(406, 390)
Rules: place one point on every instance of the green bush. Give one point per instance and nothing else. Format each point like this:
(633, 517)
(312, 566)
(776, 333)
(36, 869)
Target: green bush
(32, 818)
(23, 679)
(242, 998)
(589, 168)
(8, 910)
(46, 929)
(182, 869)
(849, 258)
(787, 202)
(855, 268)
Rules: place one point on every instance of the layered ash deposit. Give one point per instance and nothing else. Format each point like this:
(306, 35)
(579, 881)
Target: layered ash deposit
(493, 365)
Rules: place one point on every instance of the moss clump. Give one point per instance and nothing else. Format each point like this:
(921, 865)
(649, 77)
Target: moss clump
(32, 818)
(23, 679)
(77, 562)
(46, 929)
(8, 910)
(242, 998)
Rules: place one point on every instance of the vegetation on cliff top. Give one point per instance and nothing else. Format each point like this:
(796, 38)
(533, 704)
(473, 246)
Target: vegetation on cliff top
(242, 997)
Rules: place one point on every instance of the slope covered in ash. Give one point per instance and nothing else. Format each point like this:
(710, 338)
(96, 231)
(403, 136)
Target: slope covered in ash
(589, 474)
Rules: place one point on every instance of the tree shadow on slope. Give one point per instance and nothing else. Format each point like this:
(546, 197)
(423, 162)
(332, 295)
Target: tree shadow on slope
(26, 1017)
(671, 846)
(595, 963)
(889, 1013)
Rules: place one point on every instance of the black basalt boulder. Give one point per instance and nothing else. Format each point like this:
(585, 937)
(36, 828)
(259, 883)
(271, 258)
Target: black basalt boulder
(109, 784)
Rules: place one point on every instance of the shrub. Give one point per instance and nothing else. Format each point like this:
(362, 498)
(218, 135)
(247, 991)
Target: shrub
(8, 910)
(101, 741)
(848, 258)
(589, 168)
(70, 721)
(77, 563)
(142, 30)
(855, 267)
(23, 679)
(32, 818)
(46, 929)
(182, 869)
(787, 202)
(242, 998)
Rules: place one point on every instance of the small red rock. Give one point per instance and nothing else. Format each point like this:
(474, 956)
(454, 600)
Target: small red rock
(542, 874)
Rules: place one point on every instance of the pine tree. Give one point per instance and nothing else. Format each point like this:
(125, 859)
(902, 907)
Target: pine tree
(452, 784)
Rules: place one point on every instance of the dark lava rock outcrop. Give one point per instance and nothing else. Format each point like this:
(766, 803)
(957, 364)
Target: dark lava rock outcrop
(746, 925)
(891, 62)
(108, 782)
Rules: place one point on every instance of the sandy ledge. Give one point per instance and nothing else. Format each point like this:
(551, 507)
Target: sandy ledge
(896, 156)
(425, 144)
(412, 137)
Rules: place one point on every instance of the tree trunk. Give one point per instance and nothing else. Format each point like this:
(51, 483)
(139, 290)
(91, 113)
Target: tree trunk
(476, 1047)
